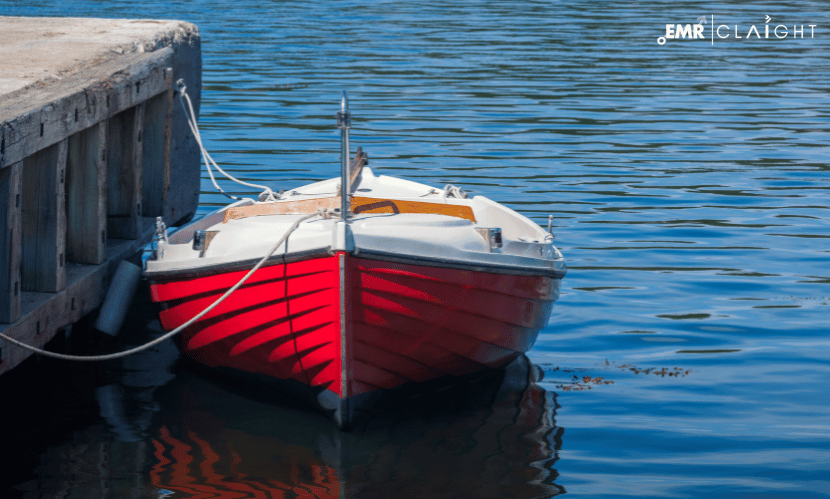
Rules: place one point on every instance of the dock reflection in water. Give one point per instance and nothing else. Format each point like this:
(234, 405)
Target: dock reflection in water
(492, 437)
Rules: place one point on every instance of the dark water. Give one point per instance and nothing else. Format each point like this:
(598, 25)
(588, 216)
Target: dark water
(689, 185)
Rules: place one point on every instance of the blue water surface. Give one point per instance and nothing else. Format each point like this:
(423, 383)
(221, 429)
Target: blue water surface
(690, 188)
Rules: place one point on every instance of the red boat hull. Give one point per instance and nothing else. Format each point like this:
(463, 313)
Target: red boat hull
(348, 326)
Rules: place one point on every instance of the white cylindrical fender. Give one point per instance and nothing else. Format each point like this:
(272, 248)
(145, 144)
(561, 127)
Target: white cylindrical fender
(119, 296)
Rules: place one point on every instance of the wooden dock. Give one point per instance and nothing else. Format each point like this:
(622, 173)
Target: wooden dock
(91, 141)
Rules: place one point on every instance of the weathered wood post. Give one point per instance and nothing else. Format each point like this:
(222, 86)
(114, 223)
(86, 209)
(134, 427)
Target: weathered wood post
(44, 220)
(124, 168)
(86, 196)
(11, 187)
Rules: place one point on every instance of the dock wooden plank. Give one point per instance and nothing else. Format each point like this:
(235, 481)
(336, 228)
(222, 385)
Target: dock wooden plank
(124, 173)
(86, 196)
(11, 188)
(42, 117)
(44, 220)
(158, 113)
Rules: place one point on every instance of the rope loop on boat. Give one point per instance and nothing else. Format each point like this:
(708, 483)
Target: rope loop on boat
(321, 212)
(451, 191)
(187, 106)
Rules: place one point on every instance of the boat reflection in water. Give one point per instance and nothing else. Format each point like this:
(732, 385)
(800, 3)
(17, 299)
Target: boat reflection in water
(489, 436)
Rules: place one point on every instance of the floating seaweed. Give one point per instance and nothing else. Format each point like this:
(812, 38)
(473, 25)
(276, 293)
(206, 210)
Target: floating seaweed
(587, 382)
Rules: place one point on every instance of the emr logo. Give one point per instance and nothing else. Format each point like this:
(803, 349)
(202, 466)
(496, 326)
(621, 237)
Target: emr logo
(682, 31)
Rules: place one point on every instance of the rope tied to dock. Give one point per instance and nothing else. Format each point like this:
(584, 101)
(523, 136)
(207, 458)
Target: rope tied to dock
(321, 212)
(190, 114)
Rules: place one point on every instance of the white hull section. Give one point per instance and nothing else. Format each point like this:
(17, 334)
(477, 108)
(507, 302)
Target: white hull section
(399, 220)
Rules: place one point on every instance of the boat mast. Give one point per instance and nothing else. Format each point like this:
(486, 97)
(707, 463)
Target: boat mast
(344, 122)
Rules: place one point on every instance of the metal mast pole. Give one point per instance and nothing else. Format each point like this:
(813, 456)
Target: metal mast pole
(344, 122)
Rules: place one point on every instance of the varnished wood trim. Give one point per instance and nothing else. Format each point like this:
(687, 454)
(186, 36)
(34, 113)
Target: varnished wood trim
(358, 205)
(380, 205)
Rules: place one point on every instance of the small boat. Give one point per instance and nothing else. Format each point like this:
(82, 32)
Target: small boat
(394, 284)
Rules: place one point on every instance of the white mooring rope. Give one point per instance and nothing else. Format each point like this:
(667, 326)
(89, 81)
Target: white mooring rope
(187, 106)
(172, 333)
